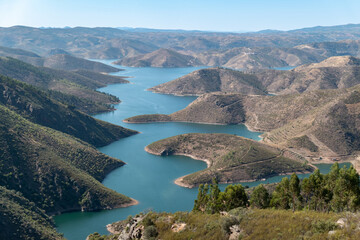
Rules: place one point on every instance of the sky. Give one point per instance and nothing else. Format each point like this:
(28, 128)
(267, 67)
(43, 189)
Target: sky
(213, 15)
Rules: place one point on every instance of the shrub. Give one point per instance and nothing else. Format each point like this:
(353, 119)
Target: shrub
(150, 232)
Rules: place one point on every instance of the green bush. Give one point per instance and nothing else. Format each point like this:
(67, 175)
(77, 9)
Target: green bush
(150, 232)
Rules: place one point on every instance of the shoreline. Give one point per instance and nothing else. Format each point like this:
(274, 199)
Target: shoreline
(132, 202)
(180, 181)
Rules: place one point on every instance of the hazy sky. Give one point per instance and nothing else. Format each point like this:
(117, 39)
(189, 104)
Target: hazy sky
(220, 15)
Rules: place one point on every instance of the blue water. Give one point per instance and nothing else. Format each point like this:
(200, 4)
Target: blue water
(147, 178)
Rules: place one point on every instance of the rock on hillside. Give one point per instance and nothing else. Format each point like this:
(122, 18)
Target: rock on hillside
(212, 80)
(160, 58)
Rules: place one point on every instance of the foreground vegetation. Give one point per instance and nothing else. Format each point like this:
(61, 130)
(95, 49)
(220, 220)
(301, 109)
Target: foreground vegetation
(318, 207)
(337, 191)
(239, 223)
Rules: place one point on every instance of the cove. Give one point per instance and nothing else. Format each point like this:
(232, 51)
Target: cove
(147, 178)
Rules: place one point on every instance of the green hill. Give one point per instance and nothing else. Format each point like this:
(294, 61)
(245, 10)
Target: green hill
(21, 219)
(77, 87)
(54, 170)
(36, 106)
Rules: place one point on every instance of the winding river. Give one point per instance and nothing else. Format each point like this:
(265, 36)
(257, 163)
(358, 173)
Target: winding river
(147, 178)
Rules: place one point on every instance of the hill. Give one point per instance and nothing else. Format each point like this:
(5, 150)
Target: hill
(230, 158)
(20, 219)
(257, 57)
(212, 80)
(55, 171)
(160, 58)
(331, 73)
(57, 59)
(69, 63)
(77, 87)
(36, 106)
(321, 125)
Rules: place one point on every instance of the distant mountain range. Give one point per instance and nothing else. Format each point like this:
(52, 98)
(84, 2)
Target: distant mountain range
(112, 43)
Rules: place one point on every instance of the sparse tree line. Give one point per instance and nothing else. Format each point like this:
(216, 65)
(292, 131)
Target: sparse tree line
(336, 191)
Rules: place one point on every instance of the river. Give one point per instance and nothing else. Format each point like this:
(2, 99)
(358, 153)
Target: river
(147, 178)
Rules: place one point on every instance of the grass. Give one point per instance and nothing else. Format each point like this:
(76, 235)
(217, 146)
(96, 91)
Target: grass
(252, 224)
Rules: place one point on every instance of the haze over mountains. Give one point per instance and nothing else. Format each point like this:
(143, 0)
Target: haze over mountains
(245, 50)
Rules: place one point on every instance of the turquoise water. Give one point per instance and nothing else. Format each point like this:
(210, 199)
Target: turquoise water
(147, 178)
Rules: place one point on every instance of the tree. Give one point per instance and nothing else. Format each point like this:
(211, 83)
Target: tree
(281, 196)
(234, 196)
(202, 198)
(306, 191)
(214, 203)
(294, 188)
(260, 198)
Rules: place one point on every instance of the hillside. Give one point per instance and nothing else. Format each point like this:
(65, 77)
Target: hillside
(36, 106)
(57, 59)
(230, 158)
(54, 170)
(330, 48)
(77, 85)
(257, 57)
(20, 219)
(240, 223)
(331, 73)
(69, 63)
(160, 58)
(212, 80)
(321, 125)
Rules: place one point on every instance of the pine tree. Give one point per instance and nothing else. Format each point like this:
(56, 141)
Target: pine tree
(260, 198)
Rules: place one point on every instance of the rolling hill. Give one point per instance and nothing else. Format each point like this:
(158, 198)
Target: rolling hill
(230, 158)
(212, 80)
(77, 87)
(160, 58)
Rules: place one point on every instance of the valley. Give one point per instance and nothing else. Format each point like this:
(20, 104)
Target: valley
(252, 107)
